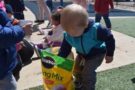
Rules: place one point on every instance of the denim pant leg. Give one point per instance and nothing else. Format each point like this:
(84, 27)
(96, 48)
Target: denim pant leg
(98, 17)
(77, 73)
(89, 73)
(8, 83)
(107, 20)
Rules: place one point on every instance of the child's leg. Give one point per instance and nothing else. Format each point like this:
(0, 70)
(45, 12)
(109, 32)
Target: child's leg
(107, 20)
(97, 17)
(89, 74)
(77, 73)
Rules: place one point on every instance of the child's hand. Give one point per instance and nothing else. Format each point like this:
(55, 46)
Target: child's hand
(108, 59)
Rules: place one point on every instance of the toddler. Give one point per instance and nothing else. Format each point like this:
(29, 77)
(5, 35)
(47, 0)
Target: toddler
(91, 41)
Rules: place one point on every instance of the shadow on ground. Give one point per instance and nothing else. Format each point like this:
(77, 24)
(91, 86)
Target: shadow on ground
(133, 80)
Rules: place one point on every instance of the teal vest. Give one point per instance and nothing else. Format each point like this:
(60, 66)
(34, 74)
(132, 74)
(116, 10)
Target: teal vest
(84, 43)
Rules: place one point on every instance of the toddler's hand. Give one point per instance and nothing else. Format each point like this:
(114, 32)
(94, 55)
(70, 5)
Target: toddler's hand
(108, 59)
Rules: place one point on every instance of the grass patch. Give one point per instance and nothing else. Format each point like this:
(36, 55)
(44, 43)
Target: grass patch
(123, 25)
(122, 78)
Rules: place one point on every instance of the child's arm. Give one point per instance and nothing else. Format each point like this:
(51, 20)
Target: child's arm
(65, 49)
(11, 35)
(104, 34)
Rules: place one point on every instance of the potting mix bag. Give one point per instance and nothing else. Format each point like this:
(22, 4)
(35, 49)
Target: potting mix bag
(56, 71)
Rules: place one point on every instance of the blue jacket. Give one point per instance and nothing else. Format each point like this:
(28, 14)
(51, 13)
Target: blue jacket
(9, 36)
(95, 40)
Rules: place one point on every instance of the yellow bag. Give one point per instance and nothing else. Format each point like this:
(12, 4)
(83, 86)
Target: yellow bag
(57, 71)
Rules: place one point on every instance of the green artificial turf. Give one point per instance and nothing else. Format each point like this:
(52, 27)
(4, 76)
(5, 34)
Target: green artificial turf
(122, 78)
(123, 25)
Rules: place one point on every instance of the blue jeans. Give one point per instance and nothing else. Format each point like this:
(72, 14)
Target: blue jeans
(106, 19)
(8, 83)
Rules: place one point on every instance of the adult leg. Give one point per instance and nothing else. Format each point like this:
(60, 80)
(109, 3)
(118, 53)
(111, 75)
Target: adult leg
(50, 4)
(8, 83)
(41, 9)
(33, 6)
(46, 10)
(107, 21)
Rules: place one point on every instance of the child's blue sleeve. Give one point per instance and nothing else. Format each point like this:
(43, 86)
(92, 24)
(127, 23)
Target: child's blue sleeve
(10, 35)
(65, 49)
(106, 35)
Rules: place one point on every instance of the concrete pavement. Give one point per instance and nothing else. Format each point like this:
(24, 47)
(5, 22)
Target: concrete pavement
(31, 75)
